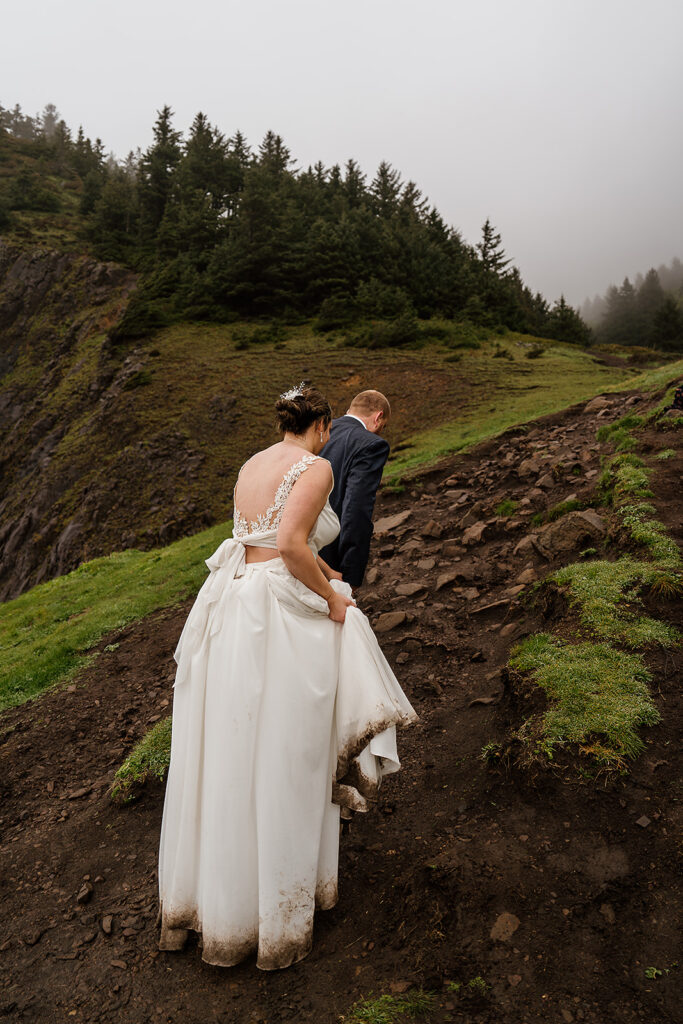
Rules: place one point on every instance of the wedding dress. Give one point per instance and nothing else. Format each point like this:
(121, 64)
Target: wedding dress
(280, 716)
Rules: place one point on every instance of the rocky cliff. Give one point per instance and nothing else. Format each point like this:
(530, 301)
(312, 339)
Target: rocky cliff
(55, 310)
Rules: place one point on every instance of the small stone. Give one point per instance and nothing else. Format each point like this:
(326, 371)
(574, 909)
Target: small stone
(409, 589)
(514, 979)
(529, 467)
(426, 564)
(34, 937)
(388, 621)
(547, 481)
(445, 578)
(388, 523)
(85, 893)
(608, 913)
(120, 964)
(474, 534)
(525, 546)
(371, 575)
(504, 928)
(396, 987)
(596, 404)
(106, 924)
(50, 787)
(431, 529)
(527, 576)
(643, 821)
(402, 658)
(450, 548)
(508, 629)
(78, 793)
(567, 1015)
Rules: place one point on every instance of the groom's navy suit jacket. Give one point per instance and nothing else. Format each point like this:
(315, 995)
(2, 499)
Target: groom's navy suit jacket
(357, 458)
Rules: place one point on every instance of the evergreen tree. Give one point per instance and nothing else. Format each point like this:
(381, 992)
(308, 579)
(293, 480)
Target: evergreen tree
(565, 324)
(155, 177)
(385, 190)
(649, 300)
(667, 326)
(491, 250)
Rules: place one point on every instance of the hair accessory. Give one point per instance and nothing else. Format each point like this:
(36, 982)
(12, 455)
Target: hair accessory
(294, 392)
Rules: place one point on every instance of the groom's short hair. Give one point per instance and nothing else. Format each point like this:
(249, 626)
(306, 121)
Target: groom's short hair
(368, 402)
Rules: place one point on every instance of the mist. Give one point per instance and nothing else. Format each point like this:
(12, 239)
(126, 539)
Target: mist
(557, 120)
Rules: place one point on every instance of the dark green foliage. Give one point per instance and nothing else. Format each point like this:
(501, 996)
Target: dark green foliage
(217, 231)
(565, 324)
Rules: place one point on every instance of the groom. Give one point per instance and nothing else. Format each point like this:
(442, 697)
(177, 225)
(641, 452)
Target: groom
(358, 455)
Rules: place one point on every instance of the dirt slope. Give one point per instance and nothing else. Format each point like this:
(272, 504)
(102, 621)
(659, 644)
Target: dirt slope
(452, 847)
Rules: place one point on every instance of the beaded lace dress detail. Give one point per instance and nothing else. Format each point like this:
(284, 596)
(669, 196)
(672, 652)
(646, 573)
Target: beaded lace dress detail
(269, 520)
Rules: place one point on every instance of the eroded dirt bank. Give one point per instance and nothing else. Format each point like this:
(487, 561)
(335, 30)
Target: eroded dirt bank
(558, 889)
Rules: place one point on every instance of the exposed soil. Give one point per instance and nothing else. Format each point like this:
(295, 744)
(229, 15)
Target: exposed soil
(557, 887)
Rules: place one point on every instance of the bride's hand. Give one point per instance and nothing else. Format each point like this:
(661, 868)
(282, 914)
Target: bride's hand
(338, 605)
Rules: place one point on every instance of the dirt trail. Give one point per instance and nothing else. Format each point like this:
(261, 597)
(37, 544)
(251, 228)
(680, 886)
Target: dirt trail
(544, 885)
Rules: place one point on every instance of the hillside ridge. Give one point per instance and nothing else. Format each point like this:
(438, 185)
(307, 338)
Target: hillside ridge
(556, 886)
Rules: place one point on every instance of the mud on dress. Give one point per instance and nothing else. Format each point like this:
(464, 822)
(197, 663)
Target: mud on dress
(278, 711)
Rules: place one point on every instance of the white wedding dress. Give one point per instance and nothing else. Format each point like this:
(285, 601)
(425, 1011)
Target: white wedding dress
(278, 711)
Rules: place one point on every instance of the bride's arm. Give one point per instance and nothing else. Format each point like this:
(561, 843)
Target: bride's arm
(303, 507)
(328, 572)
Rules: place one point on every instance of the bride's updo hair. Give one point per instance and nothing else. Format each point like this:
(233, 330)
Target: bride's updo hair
(300, 407)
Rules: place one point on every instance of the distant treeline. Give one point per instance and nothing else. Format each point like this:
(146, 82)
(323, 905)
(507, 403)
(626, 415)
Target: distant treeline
(219, 230)
(648, 312)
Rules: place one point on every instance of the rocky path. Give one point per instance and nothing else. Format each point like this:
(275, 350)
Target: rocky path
(549, 887)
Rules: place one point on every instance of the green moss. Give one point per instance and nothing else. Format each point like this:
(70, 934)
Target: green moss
(594, 690)
(390, 1009)
(506, 507)
(606, 593)
(618, 433)
(645, 529)
(557, 511)
(149, 760)
(624, 477)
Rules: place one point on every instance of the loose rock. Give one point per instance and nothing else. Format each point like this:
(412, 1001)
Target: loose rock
(388, 621)
(505, 927)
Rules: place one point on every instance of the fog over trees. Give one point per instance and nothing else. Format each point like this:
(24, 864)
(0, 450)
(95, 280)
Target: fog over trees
(647, 311)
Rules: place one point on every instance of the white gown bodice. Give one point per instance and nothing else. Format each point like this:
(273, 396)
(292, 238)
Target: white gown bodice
(262, 531)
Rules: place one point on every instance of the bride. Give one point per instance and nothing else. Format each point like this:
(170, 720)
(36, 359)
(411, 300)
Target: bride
(284, 711)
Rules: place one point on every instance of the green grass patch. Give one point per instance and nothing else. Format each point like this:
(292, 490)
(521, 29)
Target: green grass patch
(507, 507)
(646, 530)
(607, 592)
(651, 380)
(624, 477)
(387, 1009)
(666, 453)
(149, 760)
(561, 509)
(594, 690)
(619, 432)
(48, 633)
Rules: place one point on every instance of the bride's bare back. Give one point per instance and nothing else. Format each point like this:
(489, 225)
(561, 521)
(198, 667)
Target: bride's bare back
(257, 489)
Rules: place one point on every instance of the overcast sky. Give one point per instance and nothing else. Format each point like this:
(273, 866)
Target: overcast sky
(558, 119)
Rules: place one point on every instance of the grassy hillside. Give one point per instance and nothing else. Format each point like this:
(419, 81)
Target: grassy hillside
(48, 632)
(145, 446)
